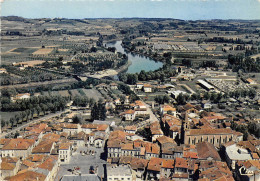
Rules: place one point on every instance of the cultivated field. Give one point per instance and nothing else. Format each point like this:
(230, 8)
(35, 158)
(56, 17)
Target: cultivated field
(92, 93)
(43, 51)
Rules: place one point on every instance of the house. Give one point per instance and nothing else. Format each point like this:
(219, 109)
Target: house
(206, 105)
(129, 115)
(20, 148)
(154, 168)
(167, 168)
(80, 139)
(122, 172)
(9, 166)
(114, 143)
(172, 126)
(181, 166)
(71, 129)
(88, 128)
(159, 168)
(139, 85)
(173, 79)
(164, 140)
(2, 70)
(21, 97)
(65, 152)
(92, 177)
(235, 153)
(207, 151)
(249, 170)
(140, 108)
(49, 167)
(138, 166)
(99, 141)
(147, 88)
(28, 175)
(44, 147)
(166, 109)
(155, 131)
(214, 170)
(250, 81)
(113, 86)
(97, 138)
(117, 102)
(130, 129)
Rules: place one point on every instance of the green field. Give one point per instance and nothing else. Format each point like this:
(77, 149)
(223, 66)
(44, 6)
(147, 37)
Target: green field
(24, 50)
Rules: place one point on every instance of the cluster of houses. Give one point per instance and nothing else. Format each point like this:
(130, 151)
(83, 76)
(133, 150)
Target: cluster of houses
(185, 143)
(40, 149)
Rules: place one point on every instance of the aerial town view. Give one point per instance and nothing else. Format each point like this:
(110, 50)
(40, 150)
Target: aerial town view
(137, 90)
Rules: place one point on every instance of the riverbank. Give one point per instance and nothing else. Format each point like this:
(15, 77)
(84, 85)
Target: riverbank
(110, 72)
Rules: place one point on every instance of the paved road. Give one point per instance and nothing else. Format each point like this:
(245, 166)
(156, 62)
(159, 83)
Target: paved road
(152, 118)
(84, 162)
(33, 122)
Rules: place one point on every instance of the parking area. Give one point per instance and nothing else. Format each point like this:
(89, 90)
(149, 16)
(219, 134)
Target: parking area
(83, 162)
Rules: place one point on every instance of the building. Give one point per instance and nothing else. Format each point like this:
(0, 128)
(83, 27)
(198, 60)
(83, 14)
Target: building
(148, 88)
(20, 148)
(249, 170)
(214, 136)
(129, 115)
(130, 129)
(205, 85)
(235, 153)
(71, 129)
(119, 173)
(207, 151)
(20, 97)
(91, 177)
(65, 152)
(9, 166)
(29, 175)
(166, 109)
(139, 85)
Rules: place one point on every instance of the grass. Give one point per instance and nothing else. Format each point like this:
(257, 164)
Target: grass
(24, 50)
(81, 92)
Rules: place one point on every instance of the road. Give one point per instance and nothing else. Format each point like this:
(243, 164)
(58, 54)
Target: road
(152, 118)
(33, 122)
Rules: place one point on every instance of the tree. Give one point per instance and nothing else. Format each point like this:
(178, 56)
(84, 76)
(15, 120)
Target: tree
(181, 99)
(76, 119)
(3, 123)
(12, 121)
(94, 112)
(16, 134)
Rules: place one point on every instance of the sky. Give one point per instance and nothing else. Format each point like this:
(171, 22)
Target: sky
(177, 9)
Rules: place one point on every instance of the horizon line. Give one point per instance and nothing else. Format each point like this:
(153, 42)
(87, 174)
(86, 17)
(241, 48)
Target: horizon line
(133, 18)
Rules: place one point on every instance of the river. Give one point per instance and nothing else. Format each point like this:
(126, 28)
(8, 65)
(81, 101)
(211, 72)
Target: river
(138, 62)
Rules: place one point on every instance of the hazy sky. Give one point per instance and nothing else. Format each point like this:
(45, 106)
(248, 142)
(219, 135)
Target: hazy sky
(180, 9)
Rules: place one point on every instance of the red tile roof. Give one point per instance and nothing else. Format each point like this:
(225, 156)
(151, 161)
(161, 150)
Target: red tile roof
(28, 176)
(18, 144)
(181, 163)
